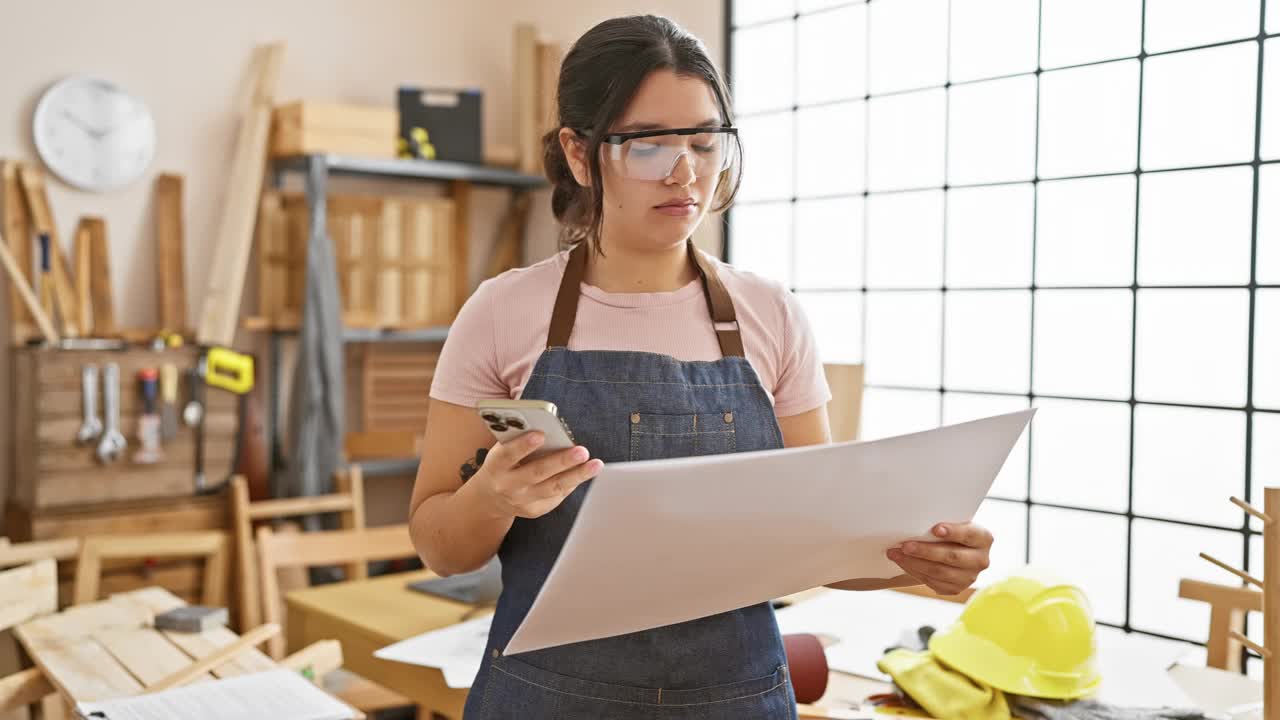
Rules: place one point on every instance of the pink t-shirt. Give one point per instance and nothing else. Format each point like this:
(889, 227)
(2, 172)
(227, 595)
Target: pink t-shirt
(502, 329)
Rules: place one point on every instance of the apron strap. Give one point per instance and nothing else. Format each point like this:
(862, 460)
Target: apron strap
(719, 302)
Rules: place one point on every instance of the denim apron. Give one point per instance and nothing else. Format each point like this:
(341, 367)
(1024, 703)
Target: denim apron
(633, 405)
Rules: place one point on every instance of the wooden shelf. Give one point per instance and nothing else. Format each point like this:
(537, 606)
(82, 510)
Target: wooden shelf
(354, 334)
(416, 169)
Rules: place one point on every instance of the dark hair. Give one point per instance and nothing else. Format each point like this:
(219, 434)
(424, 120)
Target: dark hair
(598, 78)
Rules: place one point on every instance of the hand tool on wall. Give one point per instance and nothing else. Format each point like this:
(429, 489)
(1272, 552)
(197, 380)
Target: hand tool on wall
(19, 281)
(169, 402)
(91, 425)
(194, 411)
(195, 418)
(55, 262)
(149, 424)
(112, 444)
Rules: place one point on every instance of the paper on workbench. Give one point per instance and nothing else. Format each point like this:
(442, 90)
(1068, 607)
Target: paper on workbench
(658, 542)
(276, 694)
(456, 650)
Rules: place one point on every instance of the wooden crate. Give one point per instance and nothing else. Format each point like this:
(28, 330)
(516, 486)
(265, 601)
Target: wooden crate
(397, 266)
(50, 470)
(308, 126)
(395, 382)
(182, 577)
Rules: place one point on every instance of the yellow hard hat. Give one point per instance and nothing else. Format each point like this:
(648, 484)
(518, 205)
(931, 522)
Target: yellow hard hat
(1029, 634)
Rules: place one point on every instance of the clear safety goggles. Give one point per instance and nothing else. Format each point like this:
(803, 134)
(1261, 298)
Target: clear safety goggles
(653, 154)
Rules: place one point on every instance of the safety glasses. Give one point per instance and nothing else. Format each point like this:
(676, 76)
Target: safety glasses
(653, 154)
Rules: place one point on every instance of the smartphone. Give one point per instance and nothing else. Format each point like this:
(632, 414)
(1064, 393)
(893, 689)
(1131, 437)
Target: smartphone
(509, 419)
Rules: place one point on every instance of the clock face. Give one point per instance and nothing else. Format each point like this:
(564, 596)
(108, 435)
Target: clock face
(94, 135)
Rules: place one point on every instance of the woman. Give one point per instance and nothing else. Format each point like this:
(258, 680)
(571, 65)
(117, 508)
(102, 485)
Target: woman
(618, 332)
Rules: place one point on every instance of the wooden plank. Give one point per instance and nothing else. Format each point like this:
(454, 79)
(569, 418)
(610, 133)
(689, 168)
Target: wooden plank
(170, 238)
(212, 546)
(1271, 603)
(377, 445)
(525, 57)
(17, 228)
(24, 688)
(33, 306)
(273, 257)
(82, 252)
(27, 592)
(256, 636)
(144, 652)
(389, 248)
(22, 553)
(42, 218)
(104, 313)
(203, 644)
(221, 308)
(335, 546)
(549, 55)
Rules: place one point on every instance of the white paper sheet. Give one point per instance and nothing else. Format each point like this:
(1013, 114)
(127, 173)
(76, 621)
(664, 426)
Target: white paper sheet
(457, 650)
(277, 694)
(664, 541)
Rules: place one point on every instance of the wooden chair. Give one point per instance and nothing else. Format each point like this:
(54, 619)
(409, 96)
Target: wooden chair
(12, 554)
(212, 546)
(278, 551)
(347, 500)
(27, 592)
(29, 687)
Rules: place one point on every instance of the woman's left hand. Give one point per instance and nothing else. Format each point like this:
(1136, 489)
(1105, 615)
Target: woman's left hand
(948, 565)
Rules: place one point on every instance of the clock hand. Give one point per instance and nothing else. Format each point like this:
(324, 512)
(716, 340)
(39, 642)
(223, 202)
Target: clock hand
(91, 132)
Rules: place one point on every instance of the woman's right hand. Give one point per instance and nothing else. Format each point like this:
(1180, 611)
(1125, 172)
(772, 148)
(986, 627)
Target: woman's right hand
(537, 487)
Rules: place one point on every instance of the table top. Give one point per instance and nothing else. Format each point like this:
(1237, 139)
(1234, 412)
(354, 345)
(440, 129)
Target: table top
(109, 649)
(385, 610)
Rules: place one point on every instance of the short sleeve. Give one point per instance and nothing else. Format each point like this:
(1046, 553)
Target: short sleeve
(468, 369)
(802, 382)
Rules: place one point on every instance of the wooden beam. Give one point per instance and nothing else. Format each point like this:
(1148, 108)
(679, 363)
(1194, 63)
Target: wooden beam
(28, 592)
(169, 253)
(234, 240)
(22, 553)
(321, 657)
(42, 216)
(17, 228)
(24, 688)
(260, 634)
(82, 251)
(104, 313)
(525, 74)
(17, 283)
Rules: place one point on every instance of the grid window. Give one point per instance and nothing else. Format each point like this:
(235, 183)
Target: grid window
(992, 38)
(1061, 474)
(992, 131)
(1073, 32)
(1066, 204)
(989, 236)
(1194, 227)
(1198, 107)
(1089, 119)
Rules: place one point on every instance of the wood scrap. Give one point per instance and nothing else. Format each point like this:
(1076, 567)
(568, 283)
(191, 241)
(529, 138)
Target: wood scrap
(169, 253)
(17, 227)
(82, 252)
(104, 314)
(527, 120)
(19, 283)
(37, 196)
(232, 244)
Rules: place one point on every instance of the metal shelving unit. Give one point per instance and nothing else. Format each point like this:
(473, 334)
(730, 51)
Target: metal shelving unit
(316, 170)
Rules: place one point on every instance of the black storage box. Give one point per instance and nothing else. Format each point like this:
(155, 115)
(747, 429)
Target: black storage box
(451, 119)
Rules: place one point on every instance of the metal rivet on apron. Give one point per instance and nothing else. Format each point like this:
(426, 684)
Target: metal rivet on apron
(728, 417)
(495, 653)
(635, 418)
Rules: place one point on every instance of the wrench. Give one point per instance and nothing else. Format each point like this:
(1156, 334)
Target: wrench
(91, 427)
(113, 443)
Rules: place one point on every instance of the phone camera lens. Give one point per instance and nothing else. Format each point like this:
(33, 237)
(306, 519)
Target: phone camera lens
(499, 427)
(491, 418)
(517, 424)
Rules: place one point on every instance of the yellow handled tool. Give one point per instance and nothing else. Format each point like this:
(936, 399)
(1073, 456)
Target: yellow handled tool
(229, 370)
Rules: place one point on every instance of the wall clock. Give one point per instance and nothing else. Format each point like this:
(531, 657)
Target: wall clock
(93, 134)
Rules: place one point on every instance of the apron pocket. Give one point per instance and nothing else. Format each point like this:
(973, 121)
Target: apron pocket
(517, 689)
(656, 436)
